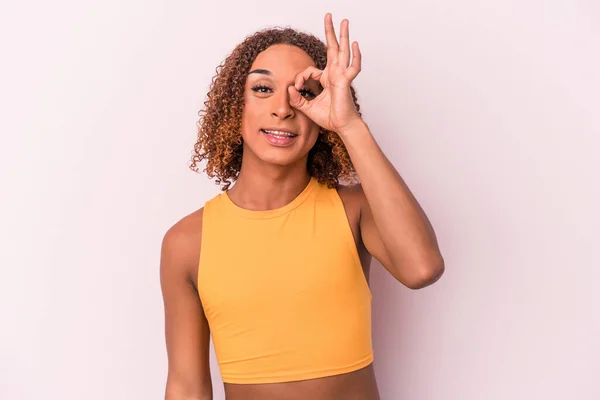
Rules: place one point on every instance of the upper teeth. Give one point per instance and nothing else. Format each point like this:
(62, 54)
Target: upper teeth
(279, 133)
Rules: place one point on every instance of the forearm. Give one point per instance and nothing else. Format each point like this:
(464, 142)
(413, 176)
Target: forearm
(404, 229)
(181, 396)
(175, 391)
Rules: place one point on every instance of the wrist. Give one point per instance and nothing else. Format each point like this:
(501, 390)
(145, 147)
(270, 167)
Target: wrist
(355, 127)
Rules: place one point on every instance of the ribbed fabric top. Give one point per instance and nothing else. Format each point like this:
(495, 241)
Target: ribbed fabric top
(283, 290)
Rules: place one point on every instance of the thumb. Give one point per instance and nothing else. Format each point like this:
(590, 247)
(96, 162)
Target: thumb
(296, 99)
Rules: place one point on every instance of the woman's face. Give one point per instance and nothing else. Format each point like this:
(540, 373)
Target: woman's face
(267, 117)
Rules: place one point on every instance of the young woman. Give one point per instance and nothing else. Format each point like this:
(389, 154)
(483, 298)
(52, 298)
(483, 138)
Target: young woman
(276, 268)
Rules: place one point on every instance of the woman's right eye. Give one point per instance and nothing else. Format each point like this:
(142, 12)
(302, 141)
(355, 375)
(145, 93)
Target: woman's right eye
(261, 88)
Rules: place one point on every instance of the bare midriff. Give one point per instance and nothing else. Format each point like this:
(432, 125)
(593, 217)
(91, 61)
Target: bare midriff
(356, 385)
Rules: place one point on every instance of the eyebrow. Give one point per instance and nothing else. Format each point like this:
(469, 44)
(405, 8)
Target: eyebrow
(261, 71)
(269, 73)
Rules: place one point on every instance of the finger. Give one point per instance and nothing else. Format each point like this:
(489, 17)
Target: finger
(308, 73)
(332, 43)
(296, 99)
(356, 66)
(344, 53)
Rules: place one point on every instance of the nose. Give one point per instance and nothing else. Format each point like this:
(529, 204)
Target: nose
(281, 107)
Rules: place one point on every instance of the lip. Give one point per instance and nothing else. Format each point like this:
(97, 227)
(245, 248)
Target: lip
(276, 141)
(280, 130)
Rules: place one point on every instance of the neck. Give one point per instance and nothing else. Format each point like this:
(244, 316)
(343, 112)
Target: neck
(269, 186)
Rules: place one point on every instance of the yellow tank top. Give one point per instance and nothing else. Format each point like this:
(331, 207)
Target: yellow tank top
(283, 290)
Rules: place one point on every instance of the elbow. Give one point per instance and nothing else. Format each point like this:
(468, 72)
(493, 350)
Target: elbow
(427, 274)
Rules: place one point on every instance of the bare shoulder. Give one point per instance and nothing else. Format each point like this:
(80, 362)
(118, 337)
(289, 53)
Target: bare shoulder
(186, 328)
(352, 190)
(352, 196)
(181, 244)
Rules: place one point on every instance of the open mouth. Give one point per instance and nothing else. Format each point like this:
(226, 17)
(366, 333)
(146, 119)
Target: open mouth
(279, 138)
(279, 134)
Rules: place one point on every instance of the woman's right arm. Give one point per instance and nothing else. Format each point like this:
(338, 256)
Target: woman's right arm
(186, 329)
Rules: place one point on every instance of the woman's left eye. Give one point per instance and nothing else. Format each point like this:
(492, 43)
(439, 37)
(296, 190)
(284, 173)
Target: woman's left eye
(307, 92)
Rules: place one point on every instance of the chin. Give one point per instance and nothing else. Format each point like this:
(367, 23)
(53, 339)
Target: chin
(273, 155)
(278, 157)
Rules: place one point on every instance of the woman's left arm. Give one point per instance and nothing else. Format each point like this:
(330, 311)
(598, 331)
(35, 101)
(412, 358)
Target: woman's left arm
(394, 227)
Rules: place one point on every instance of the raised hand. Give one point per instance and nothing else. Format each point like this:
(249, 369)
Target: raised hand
(333, 109)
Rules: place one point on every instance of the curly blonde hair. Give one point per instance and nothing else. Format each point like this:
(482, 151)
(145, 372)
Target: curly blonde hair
(220, 142)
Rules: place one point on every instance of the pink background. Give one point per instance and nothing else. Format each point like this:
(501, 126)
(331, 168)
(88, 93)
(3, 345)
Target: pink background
(490, 110)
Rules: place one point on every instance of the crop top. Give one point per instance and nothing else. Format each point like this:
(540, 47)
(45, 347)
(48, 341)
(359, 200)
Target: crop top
(283, 290)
